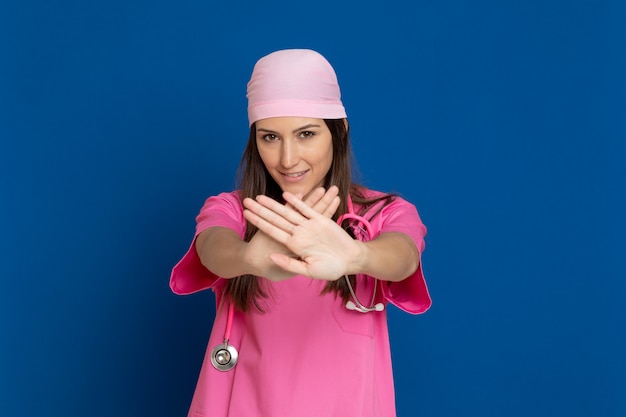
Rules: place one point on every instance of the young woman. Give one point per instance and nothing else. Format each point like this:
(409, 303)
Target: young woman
(302, 261)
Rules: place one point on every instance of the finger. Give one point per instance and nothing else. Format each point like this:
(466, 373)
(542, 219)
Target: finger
(286, 212)
(276, 233)
(299, 205)
(285, 217)
(314, 196)
(268, 215)
(327, 199)
(332, 208)
(300, 195)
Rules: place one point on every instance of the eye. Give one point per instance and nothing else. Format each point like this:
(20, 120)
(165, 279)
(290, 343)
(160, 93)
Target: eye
(306, 134)
(270, 137)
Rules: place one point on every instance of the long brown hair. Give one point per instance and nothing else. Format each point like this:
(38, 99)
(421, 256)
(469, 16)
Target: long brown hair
(254, 179)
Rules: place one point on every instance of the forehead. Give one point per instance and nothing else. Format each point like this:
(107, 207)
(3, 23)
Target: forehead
(288, 123)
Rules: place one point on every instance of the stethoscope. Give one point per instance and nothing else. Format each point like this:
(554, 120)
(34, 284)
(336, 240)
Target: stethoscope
(224, 356)
(362, 230)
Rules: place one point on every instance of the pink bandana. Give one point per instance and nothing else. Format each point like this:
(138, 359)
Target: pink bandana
(294, 82)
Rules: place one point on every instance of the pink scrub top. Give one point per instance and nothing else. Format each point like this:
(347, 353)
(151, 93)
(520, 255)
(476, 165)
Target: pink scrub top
(306, 355)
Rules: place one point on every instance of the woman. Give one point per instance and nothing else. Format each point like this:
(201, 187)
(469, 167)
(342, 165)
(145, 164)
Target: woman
(301, 260)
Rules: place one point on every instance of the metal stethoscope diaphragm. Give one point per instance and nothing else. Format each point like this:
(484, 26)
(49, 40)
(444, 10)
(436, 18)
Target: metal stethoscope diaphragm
(224, 356)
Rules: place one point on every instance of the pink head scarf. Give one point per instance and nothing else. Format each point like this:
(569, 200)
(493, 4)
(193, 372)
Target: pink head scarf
(294, 82)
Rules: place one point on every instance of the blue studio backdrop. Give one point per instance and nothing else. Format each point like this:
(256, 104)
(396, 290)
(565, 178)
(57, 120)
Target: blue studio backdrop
(502, 121)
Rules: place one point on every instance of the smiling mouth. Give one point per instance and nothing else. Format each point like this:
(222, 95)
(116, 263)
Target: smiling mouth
(294, 174)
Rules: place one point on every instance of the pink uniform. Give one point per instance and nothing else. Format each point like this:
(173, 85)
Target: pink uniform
(306, 355)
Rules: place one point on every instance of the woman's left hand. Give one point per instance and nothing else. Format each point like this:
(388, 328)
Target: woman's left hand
(324, 250)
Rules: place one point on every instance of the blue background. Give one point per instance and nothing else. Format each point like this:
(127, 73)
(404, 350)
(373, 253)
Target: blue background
(503, 121)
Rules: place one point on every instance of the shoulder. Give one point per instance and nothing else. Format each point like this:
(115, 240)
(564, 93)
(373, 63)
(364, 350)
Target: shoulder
(232, 196)
(230, 199)
(224, 209)
(388, 210)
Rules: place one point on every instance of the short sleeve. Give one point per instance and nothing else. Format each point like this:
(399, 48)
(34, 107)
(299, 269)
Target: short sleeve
(411, 294)
(189, 275)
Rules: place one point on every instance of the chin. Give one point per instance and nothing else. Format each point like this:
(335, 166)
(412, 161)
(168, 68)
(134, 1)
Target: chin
(297, 189)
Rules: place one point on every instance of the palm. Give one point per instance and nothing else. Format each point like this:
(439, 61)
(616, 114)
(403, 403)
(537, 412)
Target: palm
(321, 249)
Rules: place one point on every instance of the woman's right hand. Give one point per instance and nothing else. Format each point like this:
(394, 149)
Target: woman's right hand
(257, 251)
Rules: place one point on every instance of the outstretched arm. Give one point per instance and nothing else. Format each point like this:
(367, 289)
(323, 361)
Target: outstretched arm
(323, 249)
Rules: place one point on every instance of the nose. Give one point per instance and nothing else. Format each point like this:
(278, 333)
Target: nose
(289, 155)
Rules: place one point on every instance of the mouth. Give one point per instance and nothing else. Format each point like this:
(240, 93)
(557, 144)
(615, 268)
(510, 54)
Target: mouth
(294, 176)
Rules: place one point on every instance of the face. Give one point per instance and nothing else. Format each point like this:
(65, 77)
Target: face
(296, 151)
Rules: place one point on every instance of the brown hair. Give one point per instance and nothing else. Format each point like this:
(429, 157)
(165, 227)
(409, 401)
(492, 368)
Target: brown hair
(254, 179)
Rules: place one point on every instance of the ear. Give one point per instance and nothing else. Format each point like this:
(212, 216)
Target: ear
(345, 123)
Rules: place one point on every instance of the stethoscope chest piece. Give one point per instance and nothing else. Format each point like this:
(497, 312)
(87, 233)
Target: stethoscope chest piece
(224, 357)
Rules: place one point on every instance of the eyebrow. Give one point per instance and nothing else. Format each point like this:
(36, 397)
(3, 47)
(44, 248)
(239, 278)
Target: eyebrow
(310, 125)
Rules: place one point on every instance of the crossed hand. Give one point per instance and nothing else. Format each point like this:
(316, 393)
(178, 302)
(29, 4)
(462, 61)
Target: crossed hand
(310, 243)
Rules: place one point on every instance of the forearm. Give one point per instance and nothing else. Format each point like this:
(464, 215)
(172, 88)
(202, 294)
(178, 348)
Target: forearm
(391, 256)
(222, 252)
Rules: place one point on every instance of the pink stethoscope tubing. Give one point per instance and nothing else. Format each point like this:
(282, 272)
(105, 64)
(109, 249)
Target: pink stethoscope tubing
(351, 215)
(365, 227)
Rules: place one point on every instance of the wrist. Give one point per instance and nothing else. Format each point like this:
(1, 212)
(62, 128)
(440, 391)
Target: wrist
(359, 259)
(249, 260)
